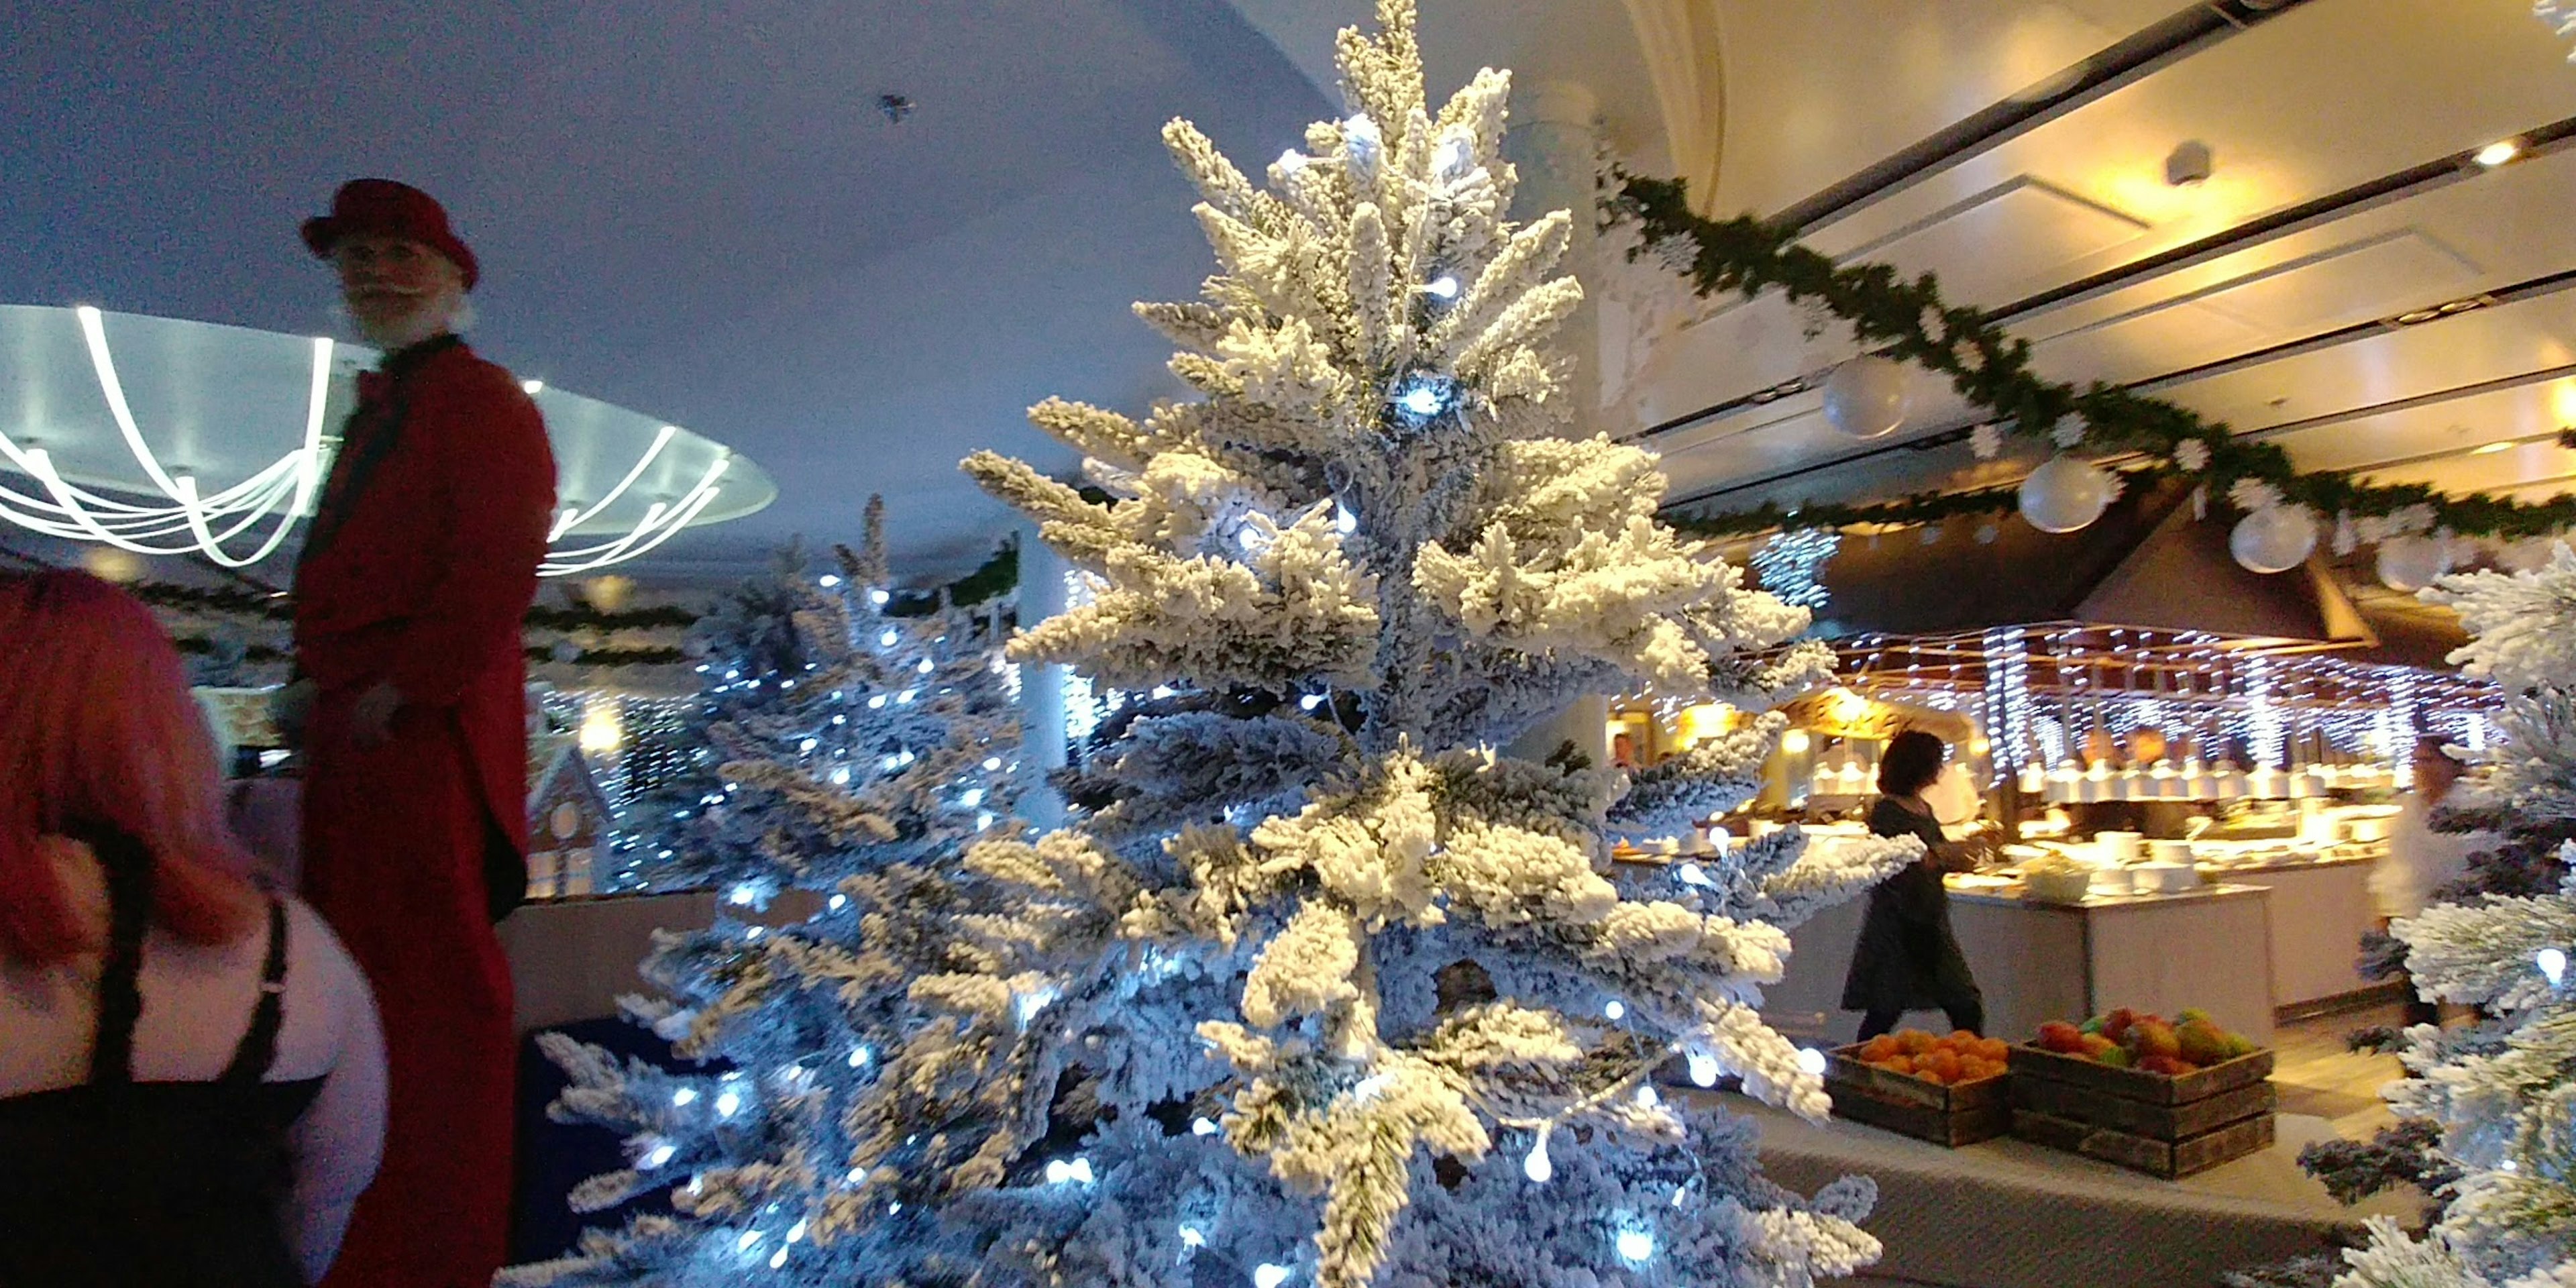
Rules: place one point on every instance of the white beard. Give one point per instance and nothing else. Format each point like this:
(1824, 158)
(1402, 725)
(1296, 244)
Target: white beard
(430, 316)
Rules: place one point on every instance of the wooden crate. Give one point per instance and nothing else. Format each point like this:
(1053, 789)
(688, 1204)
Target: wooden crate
(2163, 1126)
(1944, 1115)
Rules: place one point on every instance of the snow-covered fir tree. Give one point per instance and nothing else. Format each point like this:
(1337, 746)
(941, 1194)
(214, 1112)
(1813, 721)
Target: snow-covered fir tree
(1325, 988)
(2492, 1106)
(892, 737)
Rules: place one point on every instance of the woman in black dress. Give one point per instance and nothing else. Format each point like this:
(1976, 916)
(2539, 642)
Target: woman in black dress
(1907, 959)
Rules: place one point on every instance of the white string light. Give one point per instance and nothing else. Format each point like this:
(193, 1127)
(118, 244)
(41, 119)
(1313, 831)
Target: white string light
(184, 518)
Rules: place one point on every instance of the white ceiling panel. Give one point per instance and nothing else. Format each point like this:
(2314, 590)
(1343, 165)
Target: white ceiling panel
(2392, 365)
(2527, 412)
(2046, 226)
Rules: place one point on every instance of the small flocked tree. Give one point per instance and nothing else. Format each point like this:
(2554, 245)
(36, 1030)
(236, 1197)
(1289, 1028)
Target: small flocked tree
(1325, 989)
(892, 737)
(2488, 1113)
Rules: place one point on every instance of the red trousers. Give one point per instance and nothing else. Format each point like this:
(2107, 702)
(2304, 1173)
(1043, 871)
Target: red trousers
(394, 837)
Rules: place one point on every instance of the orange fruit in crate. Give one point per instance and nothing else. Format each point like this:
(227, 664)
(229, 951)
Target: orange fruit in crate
(1877, 1048)
(1961, 1037)
(1933, 1076)
(1914, 1041)
(1944, 1063)
(1898, 1064)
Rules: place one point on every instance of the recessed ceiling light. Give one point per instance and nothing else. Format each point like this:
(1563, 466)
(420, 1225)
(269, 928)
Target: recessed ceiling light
(2498, 152)
(2491, 449)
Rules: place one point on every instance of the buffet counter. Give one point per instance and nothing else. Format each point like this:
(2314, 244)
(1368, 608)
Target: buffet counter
(2207, 947)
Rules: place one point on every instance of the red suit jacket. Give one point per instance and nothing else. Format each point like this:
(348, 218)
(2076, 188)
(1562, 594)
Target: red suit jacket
(417, 570)
(424, 557)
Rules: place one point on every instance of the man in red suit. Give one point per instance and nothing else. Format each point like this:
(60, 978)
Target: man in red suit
(420, 561)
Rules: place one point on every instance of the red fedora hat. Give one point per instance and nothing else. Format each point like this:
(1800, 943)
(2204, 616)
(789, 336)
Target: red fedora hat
(390, 209)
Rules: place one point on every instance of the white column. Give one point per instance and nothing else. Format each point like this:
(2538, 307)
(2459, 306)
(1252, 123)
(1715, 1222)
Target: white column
(1041, 687)
(1553, 142)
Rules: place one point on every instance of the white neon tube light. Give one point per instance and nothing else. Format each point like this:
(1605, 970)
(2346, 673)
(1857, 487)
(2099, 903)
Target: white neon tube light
(186, 519)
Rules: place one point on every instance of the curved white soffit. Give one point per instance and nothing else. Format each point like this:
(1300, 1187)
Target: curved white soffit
(163, 436)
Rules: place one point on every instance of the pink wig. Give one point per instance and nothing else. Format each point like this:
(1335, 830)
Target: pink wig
(97, 727)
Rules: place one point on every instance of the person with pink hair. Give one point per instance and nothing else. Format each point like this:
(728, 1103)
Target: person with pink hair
(192, 1081)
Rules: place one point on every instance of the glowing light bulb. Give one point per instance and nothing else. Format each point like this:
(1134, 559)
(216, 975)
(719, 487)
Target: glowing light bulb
(1191, 1238)
(1536, 1166)
(828, 581)
(1443, 287)
(1452, 157)
(904, 699)
(879, 598)
(1647, 1096)
(749, 1237)
(889, 637)
(684, 1097)
(926, 666)
(796, 1232)
(983, 821)
(533, 387)
(1344, 521)
(1616, 1010)
(2498, 152)
(659, 1155)
(1202, 1126)
(1078, 1171)
(806, 748)
(1636, 1246)
(2553, 965)
(841, 776)
(1310, 702)
(1421, 398)
(1270, 1276)
(992, 764)
(839, 901)
(1812, 1061)
(728, 1104)
(859, 1057)
(743, 895)
(778, 1259)
(971, 797)
(877, 703)
(1695, 875)
(1703, 1068)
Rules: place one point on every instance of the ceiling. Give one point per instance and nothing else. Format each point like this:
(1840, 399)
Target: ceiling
(2067, 227)
(696, 210)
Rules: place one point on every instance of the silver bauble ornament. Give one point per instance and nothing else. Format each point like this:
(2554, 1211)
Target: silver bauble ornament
(2409, 564)
(1866, 397)
(2275, 538)
(2066, 494)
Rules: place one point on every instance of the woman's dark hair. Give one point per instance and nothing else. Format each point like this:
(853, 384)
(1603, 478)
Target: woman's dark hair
(1912, 761)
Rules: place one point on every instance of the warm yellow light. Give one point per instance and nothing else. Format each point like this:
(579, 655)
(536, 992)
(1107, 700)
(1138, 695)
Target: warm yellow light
(2491, 449)
(1979, 746)
(1850, 708)
(1795, 742)
(2562, 401)
(2498, 152)
(600, 732)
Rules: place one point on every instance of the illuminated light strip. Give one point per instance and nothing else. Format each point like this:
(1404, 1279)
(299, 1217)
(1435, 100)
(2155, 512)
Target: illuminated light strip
(628, 547)
(571, 519)
(205, 523)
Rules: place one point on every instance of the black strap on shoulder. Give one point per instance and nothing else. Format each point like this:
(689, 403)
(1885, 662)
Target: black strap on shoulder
(120, 997)
(258, 1047)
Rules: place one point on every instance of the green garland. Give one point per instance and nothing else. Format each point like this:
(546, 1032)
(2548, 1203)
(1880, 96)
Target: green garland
(1907, 320)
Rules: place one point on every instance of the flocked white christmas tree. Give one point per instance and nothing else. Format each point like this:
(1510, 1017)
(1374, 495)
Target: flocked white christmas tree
(890, 737)
(2501, 1091)
(1329, 990)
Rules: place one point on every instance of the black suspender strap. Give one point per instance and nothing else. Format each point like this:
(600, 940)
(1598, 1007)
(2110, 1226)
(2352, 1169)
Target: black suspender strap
(120, 998)
(258, 1047)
